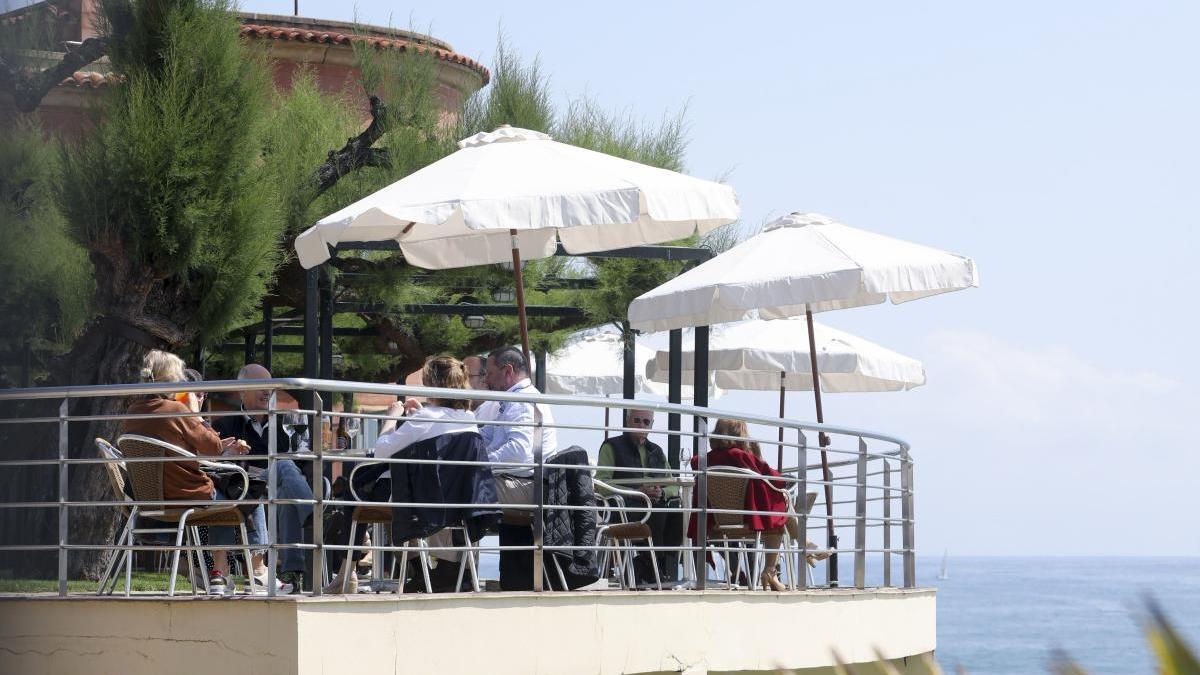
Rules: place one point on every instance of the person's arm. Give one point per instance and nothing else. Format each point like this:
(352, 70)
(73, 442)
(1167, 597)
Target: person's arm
(604, 462)
(199, 439)
(513, 443)
(401, 437)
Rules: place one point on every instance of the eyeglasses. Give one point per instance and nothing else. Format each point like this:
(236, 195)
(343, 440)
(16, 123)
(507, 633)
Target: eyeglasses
(477, 376)
(641, 420)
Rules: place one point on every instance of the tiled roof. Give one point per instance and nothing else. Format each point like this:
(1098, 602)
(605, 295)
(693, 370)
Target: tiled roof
(327, 37)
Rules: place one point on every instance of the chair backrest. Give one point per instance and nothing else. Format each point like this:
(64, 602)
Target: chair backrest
(147, 477)
(727, 488)
(116, 476)
(809, 500)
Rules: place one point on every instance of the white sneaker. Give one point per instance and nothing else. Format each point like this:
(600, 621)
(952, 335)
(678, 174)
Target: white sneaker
(258, 584)
(336, 587)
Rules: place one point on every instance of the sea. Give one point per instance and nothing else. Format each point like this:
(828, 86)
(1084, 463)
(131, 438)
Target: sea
(1016, 615)
(1008, 615)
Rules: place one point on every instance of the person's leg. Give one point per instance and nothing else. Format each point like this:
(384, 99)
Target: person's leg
(668, 561)
(771, 541)
(292, 517)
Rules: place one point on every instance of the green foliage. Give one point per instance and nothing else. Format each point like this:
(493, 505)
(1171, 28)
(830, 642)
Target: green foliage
(48, 280)
(303, 126)
(518, 96)
(170, 183)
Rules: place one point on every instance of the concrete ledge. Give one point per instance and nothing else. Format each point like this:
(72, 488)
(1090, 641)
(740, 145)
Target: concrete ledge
(495, 633)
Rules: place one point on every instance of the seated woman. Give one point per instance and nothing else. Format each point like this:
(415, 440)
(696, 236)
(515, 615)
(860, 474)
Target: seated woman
(421, 422)
(760, 496)
(186, 480)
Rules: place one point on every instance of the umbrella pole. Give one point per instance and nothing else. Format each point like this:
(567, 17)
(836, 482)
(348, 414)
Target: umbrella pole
(782, 389)
(521, 320)
(827, 476)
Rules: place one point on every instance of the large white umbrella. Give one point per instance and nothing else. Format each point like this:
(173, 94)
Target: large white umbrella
(591, 362)
(800, 264)
(468, 208)
(768, 355)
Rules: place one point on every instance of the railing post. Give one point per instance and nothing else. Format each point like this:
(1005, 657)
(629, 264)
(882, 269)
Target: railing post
(272, 507)
(887, 523)
(63, 494)
(906, 507)
(801, 572)
(860, 517)
(702, 499)
(539, 498)
(318, 490)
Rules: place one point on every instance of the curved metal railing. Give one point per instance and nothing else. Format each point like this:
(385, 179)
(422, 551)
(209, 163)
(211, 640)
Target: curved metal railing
(871, 476)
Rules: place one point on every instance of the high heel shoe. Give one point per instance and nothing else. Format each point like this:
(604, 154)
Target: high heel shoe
(770, 582)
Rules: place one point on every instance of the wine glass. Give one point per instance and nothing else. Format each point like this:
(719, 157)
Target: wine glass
(295, 424)
(351, 425)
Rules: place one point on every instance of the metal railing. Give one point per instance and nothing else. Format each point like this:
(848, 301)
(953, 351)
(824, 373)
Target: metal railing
(869, 473)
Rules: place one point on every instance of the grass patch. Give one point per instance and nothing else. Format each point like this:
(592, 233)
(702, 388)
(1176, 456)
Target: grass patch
(145, 582)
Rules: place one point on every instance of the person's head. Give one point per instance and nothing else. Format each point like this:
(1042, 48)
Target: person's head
(445, 372)
(160, 366)
(254, 399)
(737, 428)
(638, 419)
(476, 373)
(505, 367)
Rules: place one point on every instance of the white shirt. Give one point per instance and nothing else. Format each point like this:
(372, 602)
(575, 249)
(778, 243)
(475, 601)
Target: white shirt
(428, 422)
(515, 443)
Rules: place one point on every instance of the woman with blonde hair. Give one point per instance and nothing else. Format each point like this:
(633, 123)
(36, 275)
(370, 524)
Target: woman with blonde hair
(739, 450)
(180, 480)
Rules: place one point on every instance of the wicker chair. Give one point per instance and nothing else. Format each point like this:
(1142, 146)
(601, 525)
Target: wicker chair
(622, 532)
(147, 482)
(130, 533)
(727, 486)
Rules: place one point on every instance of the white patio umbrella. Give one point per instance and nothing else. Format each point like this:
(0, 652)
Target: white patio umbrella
(468, 208)
(591, 362)
(800, 264)
(767, 355)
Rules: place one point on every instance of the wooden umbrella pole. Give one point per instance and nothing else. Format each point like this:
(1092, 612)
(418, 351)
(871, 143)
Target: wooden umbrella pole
(823, 440)
(521, 320)
(782, 389)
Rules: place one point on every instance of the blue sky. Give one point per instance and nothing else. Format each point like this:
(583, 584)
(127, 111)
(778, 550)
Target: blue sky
(1055, 143)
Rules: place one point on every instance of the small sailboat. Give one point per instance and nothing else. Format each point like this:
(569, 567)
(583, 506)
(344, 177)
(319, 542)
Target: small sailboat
(944, 573)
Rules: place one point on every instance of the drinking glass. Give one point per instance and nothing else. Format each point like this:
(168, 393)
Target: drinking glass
(351, 425)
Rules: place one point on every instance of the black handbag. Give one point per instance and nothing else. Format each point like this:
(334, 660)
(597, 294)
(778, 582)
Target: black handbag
(230, 483)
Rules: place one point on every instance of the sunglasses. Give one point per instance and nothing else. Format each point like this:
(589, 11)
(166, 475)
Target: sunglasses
(641, 420)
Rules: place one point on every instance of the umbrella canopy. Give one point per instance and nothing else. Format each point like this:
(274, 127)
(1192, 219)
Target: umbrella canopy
(458, 211)
(770, 355)
(592, 363)
(803, 261)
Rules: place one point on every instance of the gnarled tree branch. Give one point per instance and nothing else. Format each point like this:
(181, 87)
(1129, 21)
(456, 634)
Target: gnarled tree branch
(28, 89)
(357, 152)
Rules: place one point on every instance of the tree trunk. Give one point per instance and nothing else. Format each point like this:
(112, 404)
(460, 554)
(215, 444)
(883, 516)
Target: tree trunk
(98, 357)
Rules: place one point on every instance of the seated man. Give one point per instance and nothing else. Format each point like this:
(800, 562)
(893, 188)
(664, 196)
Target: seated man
(293, 518)
(506, 371)
(633, 450)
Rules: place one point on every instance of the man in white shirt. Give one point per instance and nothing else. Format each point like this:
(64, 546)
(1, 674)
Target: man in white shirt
(506, 370)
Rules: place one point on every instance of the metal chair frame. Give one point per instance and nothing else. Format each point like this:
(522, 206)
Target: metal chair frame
(623, 560)
(153, 472)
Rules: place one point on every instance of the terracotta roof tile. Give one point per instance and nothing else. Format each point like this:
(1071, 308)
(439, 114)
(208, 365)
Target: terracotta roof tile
(258, 31)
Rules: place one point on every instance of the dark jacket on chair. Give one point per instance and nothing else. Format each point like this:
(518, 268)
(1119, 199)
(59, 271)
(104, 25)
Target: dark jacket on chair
(444, 484)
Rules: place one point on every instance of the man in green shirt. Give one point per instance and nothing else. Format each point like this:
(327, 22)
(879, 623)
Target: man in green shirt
(624, 457)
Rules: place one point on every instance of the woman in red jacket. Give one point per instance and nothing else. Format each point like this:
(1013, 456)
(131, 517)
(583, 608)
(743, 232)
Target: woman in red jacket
(761, 495)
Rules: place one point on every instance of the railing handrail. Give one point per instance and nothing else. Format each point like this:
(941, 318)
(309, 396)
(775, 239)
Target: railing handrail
(343, 386)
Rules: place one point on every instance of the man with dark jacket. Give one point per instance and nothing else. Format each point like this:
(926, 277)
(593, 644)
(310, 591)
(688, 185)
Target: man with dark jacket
(294, 519)
(625, 457)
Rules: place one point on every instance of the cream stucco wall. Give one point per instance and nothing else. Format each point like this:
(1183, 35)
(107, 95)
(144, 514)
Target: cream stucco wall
(495, 633)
